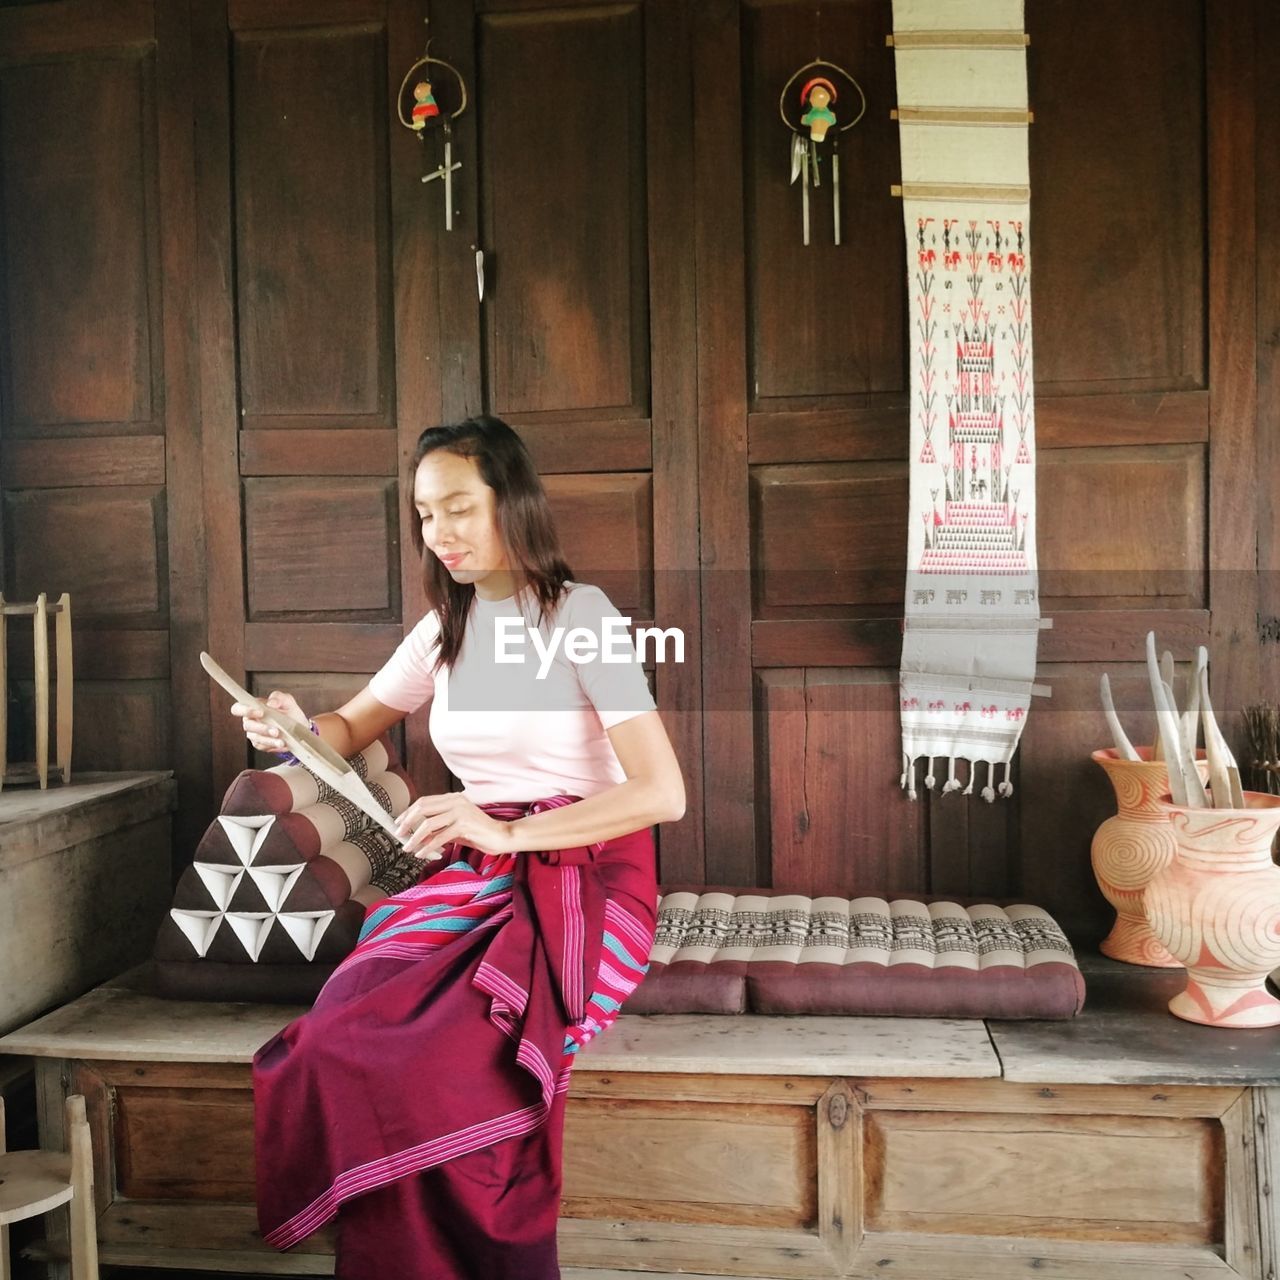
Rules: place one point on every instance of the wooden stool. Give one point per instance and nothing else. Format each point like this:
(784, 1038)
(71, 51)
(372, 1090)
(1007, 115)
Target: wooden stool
(34, 1182)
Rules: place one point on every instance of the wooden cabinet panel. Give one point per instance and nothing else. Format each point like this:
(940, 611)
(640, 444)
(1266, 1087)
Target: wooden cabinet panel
(1118, 211)
(1126, 522)
(105, 546)
(122, 724)
(832, 534)
(825, 320)
(978, 1175)
(312, 259)
(321, 546)
(77, 157)
(830, 758)
(605, 524)
(745, 1163)
(563, 198)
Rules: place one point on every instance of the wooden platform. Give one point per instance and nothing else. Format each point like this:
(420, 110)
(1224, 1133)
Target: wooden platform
(71, 858)
(1121, 1144)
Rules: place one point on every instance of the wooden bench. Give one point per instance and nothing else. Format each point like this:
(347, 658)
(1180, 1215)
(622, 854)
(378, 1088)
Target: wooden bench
(1122, 1143)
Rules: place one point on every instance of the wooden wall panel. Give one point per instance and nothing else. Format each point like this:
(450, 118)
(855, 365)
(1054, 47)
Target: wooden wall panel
(563, 190)
(1118, 229)
(1126, 465)
(204, 429)
(100, 461)
(310, 156)
(831, 534)
(105, 546)
(122, 724)
(321, 547)
(606, 528)
(824, 320)
(74, 146)
(830, 750)
(1151, 542)
(1268, 357)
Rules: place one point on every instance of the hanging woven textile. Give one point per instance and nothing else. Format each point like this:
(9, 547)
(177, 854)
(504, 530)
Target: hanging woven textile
(972, 612)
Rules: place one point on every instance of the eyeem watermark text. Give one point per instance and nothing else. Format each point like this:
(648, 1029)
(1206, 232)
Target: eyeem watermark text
(582, 644)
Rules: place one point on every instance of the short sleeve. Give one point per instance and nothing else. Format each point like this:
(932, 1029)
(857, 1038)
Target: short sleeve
(405, 681)
(618, 689)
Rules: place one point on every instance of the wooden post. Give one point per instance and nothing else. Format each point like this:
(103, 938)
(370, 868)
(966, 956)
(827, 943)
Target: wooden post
(62, 643)
(84, 1221)
(42, 689)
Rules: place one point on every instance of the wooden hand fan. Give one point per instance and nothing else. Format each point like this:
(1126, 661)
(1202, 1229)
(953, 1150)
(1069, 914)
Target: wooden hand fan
(314, 754)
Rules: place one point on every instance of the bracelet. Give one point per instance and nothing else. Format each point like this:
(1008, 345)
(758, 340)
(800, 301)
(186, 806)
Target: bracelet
(287, 757)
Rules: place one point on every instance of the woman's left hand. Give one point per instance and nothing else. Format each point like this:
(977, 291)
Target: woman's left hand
(435, 821)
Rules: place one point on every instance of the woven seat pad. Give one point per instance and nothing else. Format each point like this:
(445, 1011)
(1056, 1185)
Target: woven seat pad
(726, 950)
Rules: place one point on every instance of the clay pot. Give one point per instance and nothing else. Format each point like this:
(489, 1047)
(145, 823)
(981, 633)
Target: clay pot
(1216, 907)
(1129, 848)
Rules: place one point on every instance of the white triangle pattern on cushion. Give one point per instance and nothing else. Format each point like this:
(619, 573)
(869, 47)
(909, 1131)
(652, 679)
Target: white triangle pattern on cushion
(251, 928)
(199, 927)
(219, 880)
(306, 928)
(246, 835)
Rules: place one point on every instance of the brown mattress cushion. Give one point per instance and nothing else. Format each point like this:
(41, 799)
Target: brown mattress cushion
(720, 949)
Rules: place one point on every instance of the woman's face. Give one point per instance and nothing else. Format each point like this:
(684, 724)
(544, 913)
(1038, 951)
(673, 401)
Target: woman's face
(458, 514)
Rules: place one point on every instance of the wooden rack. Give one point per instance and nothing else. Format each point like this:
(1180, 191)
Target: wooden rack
(39, 612)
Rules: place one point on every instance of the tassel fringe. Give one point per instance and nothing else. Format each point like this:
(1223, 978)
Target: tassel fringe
(907, 778)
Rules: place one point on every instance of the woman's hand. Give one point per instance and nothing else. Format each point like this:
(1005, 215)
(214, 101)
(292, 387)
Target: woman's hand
(436, 821)
(264, 736)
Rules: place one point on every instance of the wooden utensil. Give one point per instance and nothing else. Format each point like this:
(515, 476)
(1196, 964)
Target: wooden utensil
(313, 753)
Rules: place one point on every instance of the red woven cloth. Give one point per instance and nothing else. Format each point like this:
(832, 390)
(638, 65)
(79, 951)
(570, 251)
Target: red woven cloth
(452, 1027)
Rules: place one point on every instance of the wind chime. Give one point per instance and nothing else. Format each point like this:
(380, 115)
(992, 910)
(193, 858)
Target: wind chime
(427, 119)
(817, 130)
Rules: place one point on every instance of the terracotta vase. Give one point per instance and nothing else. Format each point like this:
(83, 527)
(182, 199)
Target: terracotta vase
(1216, 907)
(1129, 848)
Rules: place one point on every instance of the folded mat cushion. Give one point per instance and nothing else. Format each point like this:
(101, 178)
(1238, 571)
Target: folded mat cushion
(280, 884)
(720, 949)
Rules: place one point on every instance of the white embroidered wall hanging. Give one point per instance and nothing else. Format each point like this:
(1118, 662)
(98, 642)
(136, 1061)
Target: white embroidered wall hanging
(972, 612)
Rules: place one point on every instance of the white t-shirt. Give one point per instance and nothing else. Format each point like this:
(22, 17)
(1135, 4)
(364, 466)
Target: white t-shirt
(505, 731)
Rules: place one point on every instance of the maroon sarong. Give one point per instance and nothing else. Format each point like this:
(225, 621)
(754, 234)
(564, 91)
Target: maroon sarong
(450, 1032)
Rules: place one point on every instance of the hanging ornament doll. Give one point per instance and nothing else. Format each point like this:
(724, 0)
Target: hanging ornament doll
(426, 117)
(425, 106)
(818, 92)
(818, 129)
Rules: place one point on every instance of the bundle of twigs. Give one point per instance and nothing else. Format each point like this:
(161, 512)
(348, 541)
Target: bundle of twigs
(1263, 726)
(1176, 735)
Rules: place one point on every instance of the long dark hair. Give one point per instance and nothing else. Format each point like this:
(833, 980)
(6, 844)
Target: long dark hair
(524, 522)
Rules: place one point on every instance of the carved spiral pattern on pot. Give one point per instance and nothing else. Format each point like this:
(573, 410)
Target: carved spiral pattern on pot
(1240, 919)
(1163, 903)
(1126, 854)
(1131, 787)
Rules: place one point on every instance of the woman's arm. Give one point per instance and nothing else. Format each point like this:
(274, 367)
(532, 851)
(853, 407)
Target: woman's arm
(348, 730)
(357, 723)
(653, 792)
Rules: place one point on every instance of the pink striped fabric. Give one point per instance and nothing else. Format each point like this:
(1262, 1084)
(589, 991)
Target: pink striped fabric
(453, 1023)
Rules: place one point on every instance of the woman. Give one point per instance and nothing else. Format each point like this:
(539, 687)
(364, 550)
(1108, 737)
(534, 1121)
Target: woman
(398, 1101)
